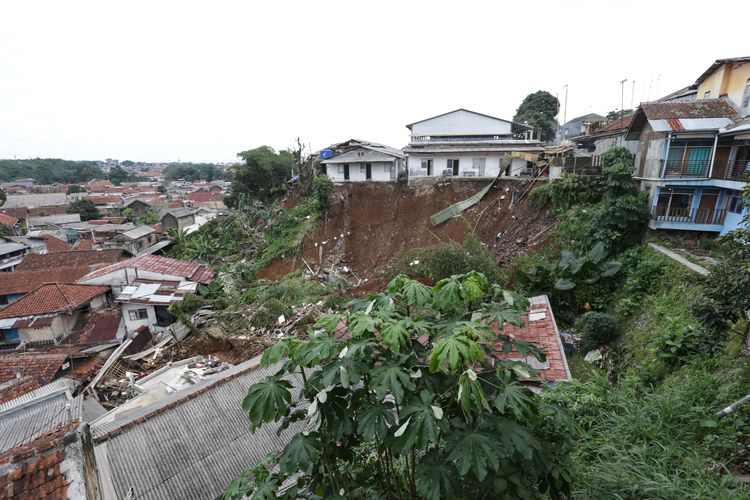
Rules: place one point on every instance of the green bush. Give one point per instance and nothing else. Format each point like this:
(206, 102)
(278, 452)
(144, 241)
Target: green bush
(322, 186)
(447, 259)
(596, 329)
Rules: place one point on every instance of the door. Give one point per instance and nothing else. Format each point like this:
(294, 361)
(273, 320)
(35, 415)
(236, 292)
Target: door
(368, 171)
(721, 160)
(346, 171)
(706, 207)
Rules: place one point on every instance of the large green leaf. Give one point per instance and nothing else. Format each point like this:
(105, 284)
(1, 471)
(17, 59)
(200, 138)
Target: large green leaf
(475, 286)
(473, 451)
(515, 438)
(598, 253)
(513, 397)
(495, 315)
(419, 423)
(447, 295)
(373, 421)
(454, 351)
(328, 322)
(267, 400)
(395, 336)
(361, 323)
(470, 393)
(435, 477)
(320, 347)
(301, 453)
(564, 284)
(416, 294)
(610, 268)
(391, 379)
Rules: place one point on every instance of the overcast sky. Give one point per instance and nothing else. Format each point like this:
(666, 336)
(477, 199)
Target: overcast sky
(162, 81)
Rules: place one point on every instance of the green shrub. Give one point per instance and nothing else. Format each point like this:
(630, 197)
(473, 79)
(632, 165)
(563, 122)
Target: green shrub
(597, 329)
(322, 186)
(447, 259)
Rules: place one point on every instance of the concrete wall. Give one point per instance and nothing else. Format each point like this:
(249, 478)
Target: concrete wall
(462, 123)
(605, 144)
(650, 151)
(60, 328)
(729, 80)
(465, 164)
(132, 325)
(381, 171)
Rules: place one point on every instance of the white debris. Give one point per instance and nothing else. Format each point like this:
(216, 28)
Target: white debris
(282, 319)
(593, 356)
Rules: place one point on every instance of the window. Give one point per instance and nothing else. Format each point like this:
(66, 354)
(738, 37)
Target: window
(746, 97)
(387, 167)
(707, 95)
(690, 157)
(735, 204)
(674, 203)
(138, 314)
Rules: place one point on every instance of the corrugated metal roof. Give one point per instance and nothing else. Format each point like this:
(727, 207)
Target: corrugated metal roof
(194, 449)
(58, 385)
(54, 219)
(24, 423)
(689, 124)
(6, 248)
(92, 409)
(139, 232)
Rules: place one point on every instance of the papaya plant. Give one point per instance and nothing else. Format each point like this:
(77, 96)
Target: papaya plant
(404, 395)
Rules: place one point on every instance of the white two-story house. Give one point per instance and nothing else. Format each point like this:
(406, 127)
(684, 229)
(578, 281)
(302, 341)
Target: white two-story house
(468, 144)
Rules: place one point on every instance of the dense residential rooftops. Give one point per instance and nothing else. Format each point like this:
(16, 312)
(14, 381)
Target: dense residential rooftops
(55, 260)
(26, 281)
(52, 298)
(204, 422)
(34, 365)
(35, 200)
(700, 115)
(163, 265)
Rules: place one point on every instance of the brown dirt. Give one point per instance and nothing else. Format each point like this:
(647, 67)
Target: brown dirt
(371, 225)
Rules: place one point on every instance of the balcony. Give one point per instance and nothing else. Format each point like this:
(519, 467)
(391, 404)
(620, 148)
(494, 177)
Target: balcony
(701, 216)
(686, 168)
(738, 170)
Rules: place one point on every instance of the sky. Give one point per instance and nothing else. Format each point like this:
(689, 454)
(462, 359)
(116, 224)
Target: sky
(168, 81)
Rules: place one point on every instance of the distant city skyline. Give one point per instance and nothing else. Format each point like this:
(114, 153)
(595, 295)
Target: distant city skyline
(162, 81)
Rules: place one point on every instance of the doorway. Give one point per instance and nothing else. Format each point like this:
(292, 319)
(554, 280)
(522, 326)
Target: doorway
(707, 206)
(346, 171)
(368, 171)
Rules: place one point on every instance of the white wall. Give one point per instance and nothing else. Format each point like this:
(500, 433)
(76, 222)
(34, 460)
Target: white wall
(462, 123)
(466, 163)
(381, 171)
(132, 325)
(122, 277)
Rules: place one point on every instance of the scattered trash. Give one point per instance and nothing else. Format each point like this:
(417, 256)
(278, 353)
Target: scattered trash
(593, 356)
(281, 319)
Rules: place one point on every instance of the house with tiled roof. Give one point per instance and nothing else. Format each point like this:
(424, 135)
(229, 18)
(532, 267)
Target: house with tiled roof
(601, 140)
(134, 240)
(16, 284)
(149, 267)
(94, 259)
(693, 162)
(49, 313)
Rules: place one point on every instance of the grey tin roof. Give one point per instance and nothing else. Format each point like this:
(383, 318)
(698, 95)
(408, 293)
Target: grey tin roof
(26, 422)
(139, 232)
(193, 449)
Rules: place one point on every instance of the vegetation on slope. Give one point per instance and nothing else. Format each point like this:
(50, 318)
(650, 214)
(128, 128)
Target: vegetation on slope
(50, 170)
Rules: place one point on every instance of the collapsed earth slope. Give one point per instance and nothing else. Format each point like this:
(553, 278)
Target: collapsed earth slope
(370, 226)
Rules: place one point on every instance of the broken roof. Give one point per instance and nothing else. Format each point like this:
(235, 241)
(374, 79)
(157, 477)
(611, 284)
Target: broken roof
(203, 439)
(52, 298)
(162, 265)
(704, 114)
(53, 260)
(25, 281)
(156, 293)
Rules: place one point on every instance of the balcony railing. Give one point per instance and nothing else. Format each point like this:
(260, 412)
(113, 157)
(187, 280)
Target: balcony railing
(738, 170)
(689, 168)
(689, 215)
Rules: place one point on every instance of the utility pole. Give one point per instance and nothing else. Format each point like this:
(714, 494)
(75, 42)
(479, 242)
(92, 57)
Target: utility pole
(565, 111)
(622, 97)
(632, 95)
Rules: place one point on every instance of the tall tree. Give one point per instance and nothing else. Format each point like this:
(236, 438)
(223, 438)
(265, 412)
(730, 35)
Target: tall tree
(85, 208)
(262, 174)
(539, 110)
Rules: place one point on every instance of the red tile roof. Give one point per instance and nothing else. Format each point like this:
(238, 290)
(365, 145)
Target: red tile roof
(176, 204)
(618, 124)
(33, 261)
(703, 108)
(53, 210)
(115, 220)
(19, 213)
(164, 265)
(38, 366)
(35, 469)
(52, 298)
(84, 245)
(55, 244)
(26, 281)
(17, 387)
(541, 332)
(204, 197)
(8, 220)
